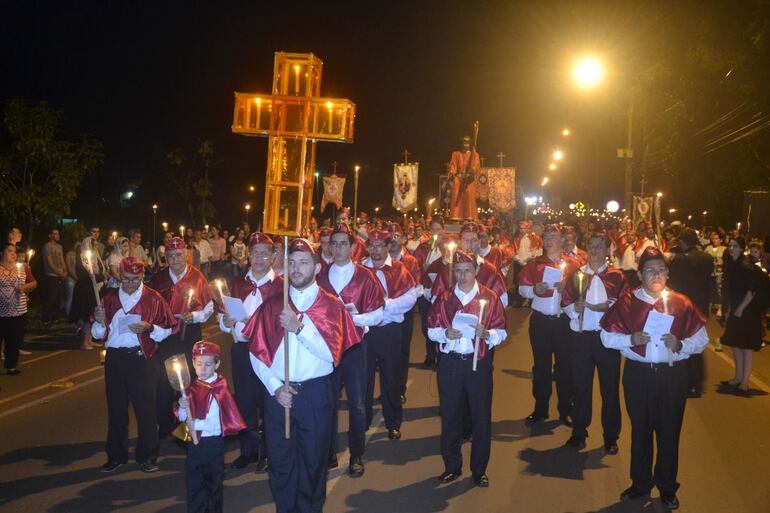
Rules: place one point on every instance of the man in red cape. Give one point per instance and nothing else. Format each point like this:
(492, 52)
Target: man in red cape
(258, 285)
(548, 328)
(319, 331)
(213, 415)
(460, 388)
(186, 291)
(569, 240)
(363, 296)
(426, 253)
(601, 287)
(129, 372)
(655, 390)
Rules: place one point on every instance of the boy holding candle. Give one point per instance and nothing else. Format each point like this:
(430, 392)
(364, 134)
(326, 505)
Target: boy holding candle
(461, 386)
(655, 376)
(213, 415)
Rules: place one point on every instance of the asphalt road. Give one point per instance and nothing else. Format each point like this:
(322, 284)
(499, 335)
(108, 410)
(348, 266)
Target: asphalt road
(53, 438)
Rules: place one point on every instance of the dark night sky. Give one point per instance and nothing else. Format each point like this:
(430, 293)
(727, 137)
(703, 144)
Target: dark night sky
(145, 78)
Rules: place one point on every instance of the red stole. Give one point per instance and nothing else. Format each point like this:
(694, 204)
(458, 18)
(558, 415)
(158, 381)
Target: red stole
(421, 253)
(629, 315)
(412, 266)
(397, 278)
(176, 294)
(614, 281)
(486, 275)
(580, 255)
(328, 314)
(494, 258)
(535, 242)
(532, 274)
(363, 290)
(201, 394)
(151, 307)
(436, 268)
(359, 251)
(443, 311)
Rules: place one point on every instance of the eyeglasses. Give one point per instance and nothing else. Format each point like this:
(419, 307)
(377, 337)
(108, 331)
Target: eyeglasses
(256, 256)
(130, 281)
(339, 243)
(651, 271)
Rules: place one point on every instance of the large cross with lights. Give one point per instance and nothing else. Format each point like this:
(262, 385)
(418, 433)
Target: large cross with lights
(294, 117)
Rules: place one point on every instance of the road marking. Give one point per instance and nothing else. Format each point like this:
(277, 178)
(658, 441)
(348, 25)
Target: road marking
(48, 397)
(48, 385)
(26, 362)
(756, 381)
(335, 475)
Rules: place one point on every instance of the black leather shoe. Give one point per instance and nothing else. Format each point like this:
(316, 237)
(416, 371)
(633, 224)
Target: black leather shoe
(333, 463)
(262, 465)
(728, 384)
(241, 462)
(693, 393)
(535, 417)
(611, 448)
(669, 501)
(566, 420)
(632, 493)
(741, 392)
(394, 434)
(148, 466)
(356, 468)
(110, 466)
(448, 477)
(429, 362)
(576, 441)
(481, 480)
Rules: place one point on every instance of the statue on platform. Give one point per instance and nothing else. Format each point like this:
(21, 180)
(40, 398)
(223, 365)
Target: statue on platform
(464, 166)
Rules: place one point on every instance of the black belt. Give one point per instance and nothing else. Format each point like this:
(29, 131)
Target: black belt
(296, 385)
(460, 356)
(134, 350)
(546, 316)
(656, 366)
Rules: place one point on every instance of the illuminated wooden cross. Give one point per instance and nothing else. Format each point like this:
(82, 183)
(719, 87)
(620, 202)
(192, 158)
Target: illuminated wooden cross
(294, 117)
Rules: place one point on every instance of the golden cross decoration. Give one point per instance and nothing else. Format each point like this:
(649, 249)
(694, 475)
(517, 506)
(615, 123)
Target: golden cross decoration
(501, 157)
(294, 117)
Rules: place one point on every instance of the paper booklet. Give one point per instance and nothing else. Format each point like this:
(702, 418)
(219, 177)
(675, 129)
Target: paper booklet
(125, 322)
(234, 308)
(552, 276)
(465, 323)
(657, 325)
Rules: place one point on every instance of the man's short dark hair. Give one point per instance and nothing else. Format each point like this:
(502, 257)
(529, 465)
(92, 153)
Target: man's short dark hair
(689, 237)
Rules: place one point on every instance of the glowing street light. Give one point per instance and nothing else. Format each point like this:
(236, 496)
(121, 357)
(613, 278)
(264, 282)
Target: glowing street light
(588, 72)
(544, 182)
(659, 194)
(613, 206)
(672, 211)
(558, 155)
(247, 208)
(566, 132)
(552, 166)
(252, 188)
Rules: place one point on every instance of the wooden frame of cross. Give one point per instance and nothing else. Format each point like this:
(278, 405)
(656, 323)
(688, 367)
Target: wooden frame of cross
(294, 117)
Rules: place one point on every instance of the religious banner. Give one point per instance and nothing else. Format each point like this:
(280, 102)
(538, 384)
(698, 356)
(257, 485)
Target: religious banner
(643, 206)
(482, 184)
(502, 188)
(405, 186)
(333, 186)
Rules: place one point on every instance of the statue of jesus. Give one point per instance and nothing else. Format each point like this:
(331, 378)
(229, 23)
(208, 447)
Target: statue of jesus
(463, 177)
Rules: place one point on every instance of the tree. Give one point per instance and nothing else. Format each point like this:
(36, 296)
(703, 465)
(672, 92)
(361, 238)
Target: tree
(191, 180)
(41, 171)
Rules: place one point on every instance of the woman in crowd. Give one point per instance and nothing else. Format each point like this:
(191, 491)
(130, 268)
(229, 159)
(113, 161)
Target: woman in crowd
(120, 251)
(83, 300)
(239, 258)
(717, 250)
(743, 331)
(16, 281)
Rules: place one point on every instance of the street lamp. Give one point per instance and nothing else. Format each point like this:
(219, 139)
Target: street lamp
(356, 169)
(587, 72)
(558, 155)
(252, 188)
(552, 166)
(154, 223)
(544, 182)
(247, 208)
(429, 205)
(566, 132)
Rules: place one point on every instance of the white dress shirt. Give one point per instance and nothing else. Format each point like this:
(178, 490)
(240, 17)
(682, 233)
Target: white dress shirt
(199, 316)
(629, 259)
(130, 339)
(596, 294)
(212, 424)
(395, 308)
(655, 351)
(339, 277)
(544, 305)
(250, 304)
(309, 356)
(463, 345)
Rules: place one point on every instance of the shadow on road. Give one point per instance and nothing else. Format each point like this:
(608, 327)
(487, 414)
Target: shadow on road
(562, 462)
(640, 506)
(401, 452)
(518, 373)
(425, 496)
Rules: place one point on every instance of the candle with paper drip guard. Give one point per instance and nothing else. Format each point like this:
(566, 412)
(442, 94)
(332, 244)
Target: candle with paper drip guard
(451, 247)
(582, 286)
(190, 294)
(179, 378)
(482, 304)
(218, 283)
(89, 265)
(30, 254)
(19, 268)
(664, 298)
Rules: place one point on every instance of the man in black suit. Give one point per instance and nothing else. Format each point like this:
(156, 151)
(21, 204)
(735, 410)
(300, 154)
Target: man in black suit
(691, 273)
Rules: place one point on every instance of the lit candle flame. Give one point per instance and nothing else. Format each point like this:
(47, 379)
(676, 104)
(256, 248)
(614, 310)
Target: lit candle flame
(664, 295)
(30, 254)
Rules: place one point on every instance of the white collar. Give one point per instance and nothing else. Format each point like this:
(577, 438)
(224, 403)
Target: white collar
(466, 297)
(388, 263)
(588, 270)
(176, 279)
(338, 267)
(302, 299)
(269, 276)
(642, 294)
(124, 296)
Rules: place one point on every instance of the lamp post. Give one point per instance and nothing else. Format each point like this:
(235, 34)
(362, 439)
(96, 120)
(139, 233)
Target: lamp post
(247, 208)
(154, 223)
(356, 169)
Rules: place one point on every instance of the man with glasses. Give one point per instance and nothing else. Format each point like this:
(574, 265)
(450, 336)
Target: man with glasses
(426, 254)
(364, 298)
(187, 293)
(258, 285)
(133, 319)
(655, 375)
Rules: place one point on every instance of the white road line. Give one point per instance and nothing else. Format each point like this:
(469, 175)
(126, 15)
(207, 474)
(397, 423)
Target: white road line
(335, 475)
(755, 380)
(47, 385)
(48, 397)
(27, 362)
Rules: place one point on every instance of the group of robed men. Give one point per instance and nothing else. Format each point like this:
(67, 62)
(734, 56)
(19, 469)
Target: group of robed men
(347, 317)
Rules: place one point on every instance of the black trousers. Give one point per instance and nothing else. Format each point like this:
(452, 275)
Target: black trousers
(53, 292)
(384, 351)
(165, 395)
(588, 354)
(129, 378)
(407, 328)
(423, 306)
(696, 372)
(352, 372)
(298, 466)
(462, 390)
(205, 472)
(12, 337)
(655, 400)
(250, 398)
(550, 340)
